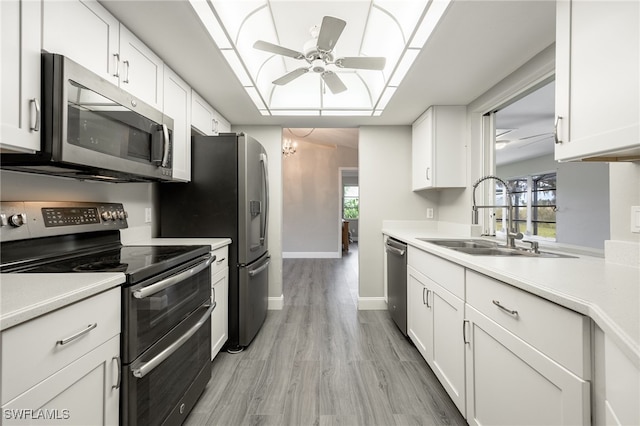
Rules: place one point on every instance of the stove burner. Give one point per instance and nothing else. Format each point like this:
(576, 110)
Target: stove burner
(102, 266)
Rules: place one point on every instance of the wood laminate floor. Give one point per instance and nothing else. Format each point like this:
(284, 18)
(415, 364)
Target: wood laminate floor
(320, 361)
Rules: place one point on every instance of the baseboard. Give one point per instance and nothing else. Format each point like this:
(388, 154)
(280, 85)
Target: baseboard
(310, 255)
(372, 304)
(275, 303)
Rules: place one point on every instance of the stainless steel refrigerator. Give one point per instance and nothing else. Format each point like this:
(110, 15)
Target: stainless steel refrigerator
(228, 196)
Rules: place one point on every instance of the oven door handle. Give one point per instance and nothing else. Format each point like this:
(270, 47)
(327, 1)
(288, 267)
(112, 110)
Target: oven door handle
(147, 367)
(161, 285)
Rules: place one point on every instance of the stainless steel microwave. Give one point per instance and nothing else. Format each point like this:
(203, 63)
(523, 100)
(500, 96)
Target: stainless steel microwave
(94, 130)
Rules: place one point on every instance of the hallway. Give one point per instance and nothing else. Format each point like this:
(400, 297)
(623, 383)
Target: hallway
(320, 361)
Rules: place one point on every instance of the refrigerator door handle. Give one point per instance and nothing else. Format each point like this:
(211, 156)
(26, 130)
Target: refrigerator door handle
(254, 272)
(263, 161)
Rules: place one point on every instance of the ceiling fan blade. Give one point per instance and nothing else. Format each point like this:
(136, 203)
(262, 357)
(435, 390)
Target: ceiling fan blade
(362, 62)
(278, 50)
(330, 31)
(290, 76)
(334, 83)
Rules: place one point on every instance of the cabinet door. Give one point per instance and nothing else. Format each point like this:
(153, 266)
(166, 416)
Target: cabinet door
(622, 386)
(85, 392)
(177, 105)
(21, 35)
(142, 70)
(202, 115)
(422, 151)
(448, 345)
(419, 313)
(510, 382)
(85, 32)
(597, 85)
(220, 315)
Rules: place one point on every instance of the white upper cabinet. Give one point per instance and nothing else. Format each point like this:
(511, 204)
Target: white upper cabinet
(177, 105)
(88, 34)
(438, 148)
(141, 70)
(205, 119)
(85, 32)
(20, 114)
(597, 84)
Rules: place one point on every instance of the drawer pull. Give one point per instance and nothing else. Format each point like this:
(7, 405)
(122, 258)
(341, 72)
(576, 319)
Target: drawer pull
(77, 335)
(119, 368)
(509, 311)
(220, 261)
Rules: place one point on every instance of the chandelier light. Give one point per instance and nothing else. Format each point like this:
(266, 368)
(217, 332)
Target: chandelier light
(289, 147)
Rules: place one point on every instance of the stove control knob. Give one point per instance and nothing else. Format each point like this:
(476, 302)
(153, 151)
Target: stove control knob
(121, 215)
(17, 220)
(106, 216)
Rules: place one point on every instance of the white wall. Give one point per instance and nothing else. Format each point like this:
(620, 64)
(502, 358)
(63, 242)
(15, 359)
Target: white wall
(385, 194)
(135, 197)
(271, 138)
(311, 197)
(582, 198)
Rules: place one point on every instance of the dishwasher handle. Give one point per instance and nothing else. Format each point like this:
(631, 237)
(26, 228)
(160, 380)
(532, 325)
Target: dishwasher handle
(395, 247)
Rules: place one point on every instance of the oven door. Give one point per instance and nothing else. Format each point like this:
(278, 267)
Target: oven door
(153, 307)
(164, 383)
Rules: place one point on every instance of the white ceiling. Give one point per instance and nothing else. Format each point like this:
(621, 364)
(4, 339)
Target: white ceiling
(476, 45)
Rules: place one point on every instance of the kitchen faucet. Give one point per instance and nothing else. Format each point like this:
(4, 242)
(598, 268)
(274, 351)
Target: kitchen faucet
(512, 234)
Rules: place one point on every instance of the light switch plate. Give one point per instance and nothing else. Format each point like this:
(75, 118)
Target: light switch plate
(635, 219)
(429, 213)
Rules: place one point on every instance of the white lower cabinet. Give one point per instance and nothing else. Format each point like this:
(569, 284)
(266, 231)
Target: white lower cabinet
(527, 358)
(434, 322)
(64, 367)
(220, 295)
(621, 387)
(511, 383)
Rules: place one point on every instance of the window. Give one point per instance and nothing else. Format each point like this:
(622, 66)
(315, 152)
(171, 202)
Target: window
(537, 217)
(350, 202)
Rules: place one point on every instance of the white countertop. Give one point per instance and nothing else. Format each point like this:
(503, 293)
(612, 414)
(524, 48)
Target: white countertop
(27, 296)
(606, 292)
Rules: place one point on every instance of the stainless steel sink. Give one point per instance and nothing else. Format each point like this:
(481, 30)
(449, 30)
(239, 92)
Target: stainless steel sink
(460, 243)
(478, 247)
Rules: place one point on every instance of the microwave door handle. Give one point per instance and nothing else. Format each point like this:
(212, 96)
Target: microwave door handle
(147, 367)
(167, 146)
(161, 285)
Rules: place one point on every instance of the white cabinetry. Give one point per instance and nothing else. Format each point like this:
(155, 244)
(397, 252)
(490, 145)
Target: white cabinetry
(527, 359)
(87, 33)
(205, 119)
(438, 148)
(20, 70)
(220, 295)
(435, 318)
(597, 85)
(65, 364)
(621, 387)
(177, 105)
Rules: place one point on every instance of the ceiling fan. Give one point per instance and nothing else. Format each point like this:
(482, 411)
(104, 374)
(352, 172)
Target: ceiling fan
(318, 53)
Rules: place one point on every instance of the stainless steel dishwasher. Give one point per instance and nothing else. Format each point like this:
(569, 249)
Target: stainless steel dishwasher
(397, 282)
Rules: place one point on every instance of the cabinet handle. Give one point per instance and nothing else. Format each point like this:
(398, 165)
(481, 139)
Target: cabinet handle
(126, 75)
(213, 296)
(509, 311)
(428, 173)
(214, 122)
(464, 331)
(428, 292)
(220, 261)
(119, 366)
(77, 335)
(555, 130)
(117, 58)
(424, 290)
(36, 109)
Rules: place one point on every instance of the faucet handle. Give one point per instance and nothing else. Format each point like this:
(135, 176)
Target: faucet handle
(534, 246)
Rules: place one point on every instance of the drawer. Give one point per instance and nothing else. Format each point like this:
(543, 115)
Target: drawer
(558, 332)
(447, 274)
(31, 351)
(222, 260)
